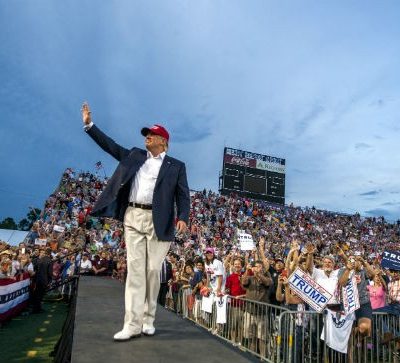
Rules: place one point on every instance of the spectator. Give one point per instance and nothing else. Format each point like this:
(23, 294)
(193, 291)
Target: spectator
(5, 268)
(165, 277)
(100, 265)
(364, 313)
(257, 289)
(43, 277)
(234, 288)
(215, 272)
(377, 292)
(86, 265)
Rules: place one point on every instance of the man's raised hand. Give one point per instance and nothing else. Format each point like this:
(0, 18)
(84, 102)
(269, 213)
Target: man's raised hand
(86, 114)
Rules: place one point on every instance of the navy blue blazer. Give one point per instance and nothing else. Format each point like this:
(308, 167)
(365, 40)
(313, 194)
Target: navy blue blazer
(171, 187)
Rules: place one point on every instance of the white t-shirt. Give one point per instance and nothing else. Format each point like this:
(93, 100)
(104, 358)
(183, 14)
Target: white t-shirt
(86, 265)
(214, 269)
(329, 283)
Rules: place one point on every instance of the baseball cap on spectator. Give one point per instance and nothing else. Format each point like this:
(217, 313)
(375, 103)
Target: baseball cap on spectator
(6, 252)
(209, 250)
(279, 260)
(156, 130)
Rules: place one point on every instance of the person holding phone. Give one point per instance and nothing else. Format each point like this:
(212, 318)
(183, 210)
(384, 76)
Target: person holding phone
(142, 193)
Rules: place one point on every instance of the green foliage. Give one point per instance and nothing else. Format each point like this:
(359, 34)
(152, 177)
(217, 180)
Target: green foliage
(8, 223)
(33, 214)
(24, 224)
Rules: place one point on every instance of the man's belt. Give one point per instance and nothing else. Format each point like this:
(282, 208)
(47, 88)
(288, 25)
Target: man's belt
(141, 206)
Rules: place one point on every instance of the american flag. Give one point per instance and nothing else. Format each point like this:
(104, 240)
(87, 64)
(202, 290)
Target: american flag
(99, 165)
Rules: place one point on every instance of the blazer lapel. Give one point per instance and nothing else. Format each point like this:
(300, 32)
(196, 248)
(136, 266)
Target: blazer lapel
(163, 170)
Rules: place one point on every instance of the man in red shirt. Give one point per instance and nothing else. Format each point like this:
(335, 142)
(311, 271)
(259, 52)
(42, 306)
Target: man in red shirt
(235, 289)
(81, 218)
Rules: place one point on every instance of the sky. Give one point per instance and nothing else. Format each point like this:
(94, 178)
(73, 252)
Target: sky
(316, 83)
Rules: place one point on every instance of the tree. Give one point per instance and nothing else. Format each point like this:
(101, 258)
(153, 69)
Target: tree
(33, 214)
(8, 223)
(24, 224)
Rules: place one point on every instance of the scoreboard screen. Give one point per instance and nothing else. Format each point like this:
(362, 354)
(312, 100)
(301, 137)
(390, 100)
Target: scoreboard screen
(253, 175)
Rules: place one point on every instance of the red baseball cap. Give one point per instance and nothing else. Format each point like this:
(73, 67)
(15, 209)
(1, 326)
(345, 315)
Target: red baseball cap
(156, 130)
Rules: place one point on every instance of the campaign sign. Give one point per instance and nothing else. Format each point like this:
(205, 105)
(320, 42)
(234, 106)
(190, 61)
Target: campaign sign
(40, 242)
(351, 301)
(246, 241)
(59, 228)
(307, 289)
(391, 260)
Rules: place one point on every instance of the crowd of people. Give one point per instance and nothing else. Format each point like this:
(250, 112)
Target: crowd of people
(330, 247)
(208, 259)
(66, 234)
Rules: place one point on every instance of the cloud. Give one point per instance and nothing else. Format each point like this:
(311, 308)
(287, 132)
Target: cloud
(190, 128)
(312, 115)
(390, 215)
(372, 192)
(286, 82)
(378, 103)
(362, 145)
(378, 212)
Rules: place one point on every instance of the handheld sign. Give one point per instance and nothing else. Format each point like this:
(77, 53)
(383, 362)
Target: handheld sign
(40, 242)
(351, 301)
(57, 228)
(246, 241)
(307, 289)
(391, 260)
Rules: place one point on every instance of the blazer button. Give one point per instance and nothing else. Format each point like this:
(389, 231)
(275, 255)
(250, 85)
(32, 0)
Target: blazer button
(122, 184)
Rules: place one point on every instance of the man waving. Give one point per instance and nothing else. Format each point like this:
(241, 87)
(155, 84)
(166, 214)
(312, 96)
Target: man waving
(142, 193)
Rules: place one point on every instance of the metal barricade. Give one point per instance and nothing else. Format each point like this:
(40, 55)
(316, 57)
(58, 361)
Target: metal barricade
(299, 335)
(252, 326)
(302, 339)
(289, 334)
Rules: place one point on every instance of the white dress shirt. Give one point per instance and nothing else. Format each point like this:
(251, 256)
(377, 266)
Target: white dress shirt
(143, 183)
(88, 126)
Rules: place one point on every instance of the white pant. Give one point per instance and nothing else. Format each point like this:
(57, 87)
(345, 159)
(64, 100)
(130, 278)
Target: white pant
(145, 254)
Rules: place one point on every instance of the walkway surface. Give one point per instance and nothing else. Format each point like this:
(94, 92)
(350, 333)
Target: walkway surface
(99, 315)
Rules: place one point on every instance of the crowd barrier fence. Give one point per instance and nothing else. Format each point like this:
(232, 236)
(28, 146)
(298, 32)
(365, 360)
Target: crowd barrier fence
(280, 335)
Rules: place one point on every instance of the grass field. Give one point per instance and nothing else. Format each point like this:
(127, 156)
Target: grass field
(31, 338)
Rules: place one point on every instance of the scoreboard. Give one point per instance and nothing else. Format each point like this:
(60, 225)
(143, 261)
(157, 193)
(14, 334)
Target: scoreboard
(253, 175)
